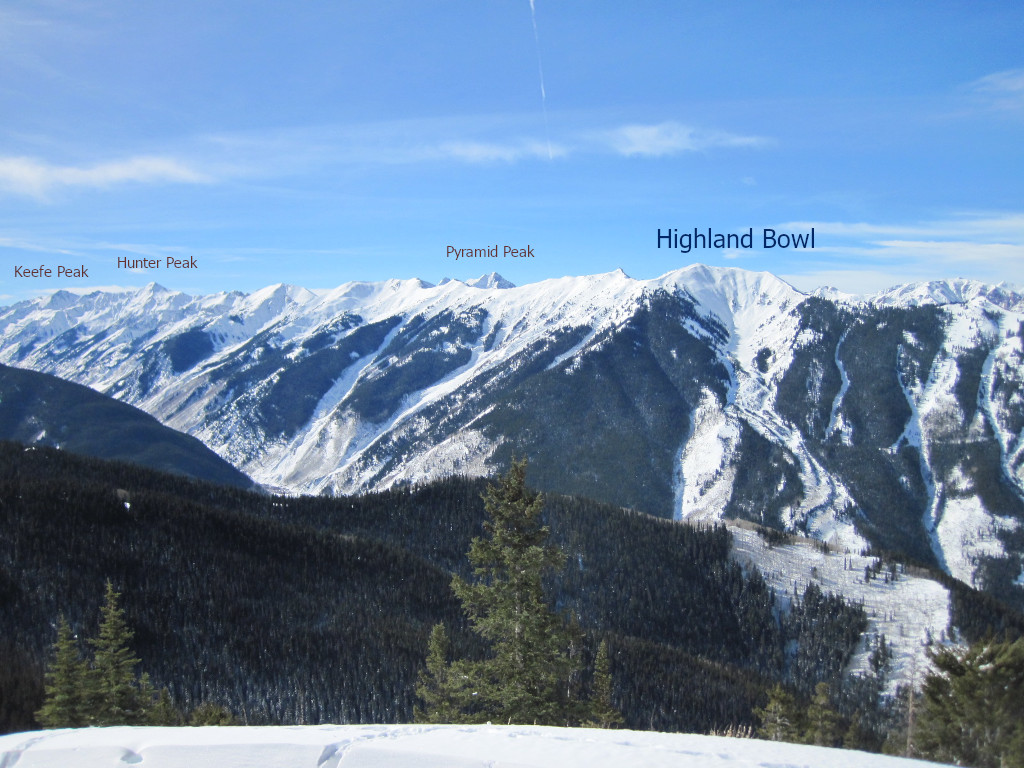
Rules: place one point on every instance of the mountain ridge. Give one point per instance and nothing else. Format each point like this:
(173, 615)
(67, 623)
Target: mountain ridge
(40, 409)
(893, 421)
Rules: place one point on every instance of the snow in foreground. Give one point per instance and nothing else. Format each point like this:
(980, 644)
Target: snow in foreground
(422, 746)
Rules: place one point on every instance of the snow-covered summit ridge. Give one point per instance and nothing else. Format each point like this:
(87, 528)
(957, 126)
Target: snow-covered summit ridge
(154, 306)
(958, 291)
(490, 280)
(720, 289)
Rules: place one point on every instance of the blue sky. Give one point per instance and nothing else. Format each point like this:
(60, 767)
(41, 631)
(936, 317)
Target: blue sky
(320, 142)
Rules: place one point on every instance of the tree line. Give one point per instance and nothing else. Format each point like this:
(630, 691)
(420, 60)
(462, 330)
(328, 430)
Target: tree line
(967, 711)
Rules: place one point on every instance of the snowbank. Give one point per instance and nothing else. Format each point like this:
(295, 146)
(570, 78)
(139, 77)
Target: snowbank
(418, 746)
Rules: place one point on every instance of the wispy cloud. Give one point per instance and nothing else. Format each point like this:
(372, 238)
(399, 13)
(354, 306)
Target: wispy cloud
(481, 140)
(972, 225)
(34, 178)
(489, 152)
(964, 254)
(97, 250)
(862, 257)
(299, 151)
(671, 138)
(1003, 90)
(23, 244)
(395, 143)
(28, 36)
(632, 140)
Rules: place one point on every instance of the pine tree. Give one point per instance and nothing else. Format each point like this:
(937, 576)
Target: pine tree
(856, 735)
(528, 677)
(822, 720)
(209, 713)
(970, 709)
(901, 739)
(65, 704)
(779, 718)
(114, 698)
(441, 686)
(603, 713)
(163, 711)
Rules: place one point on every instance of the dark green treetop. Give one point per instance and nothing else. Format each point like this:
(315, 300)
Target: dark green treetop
(113, 691)
(65, 704)
(970, 709)
(529, 676)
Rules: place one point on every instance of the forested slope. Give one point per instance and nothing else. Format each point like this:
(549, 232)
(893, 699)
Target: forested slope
(38, 408)
(308, 610)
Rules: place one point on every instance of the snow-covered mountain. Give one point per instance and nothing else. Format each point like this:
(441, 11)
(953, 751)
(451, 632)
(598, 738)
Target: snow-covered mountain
(419, 746)
(894, 420)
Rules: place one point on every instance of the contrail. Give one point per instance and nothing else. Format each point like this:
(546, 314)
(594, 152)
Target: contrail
(540, 69)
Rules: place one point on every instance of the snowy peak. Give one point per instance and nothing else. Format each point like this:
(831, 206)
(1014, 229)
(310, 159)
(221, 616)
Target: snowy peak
(729, 292)
(738, 284)
(490, 280)
(941, 292)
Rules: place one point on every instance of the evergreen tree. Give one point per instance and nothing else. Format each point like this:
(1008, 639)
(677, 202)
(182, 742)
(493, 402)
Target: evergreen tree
(527, 679)
(970, 709)
(113, 695)
(857, 735)
(65, 704)
(209, 713)
(603, 713)
(779, 719)
(822, 720)
(441, 686)
(901, 737)
(163, 711)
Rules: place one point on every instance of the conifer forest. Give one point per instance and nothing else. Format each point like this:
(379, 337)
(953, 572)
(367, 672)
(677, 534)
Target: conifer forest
(239, 606)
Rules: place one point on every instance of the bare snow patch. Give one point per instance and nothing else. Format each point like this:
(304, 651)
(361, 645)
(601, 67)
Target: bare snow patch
(703, 482)
(909, 610)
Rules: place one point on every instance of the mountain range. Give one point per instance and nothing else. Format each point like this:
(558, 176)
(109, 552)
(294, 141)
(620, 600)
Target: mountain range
(892, 422)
